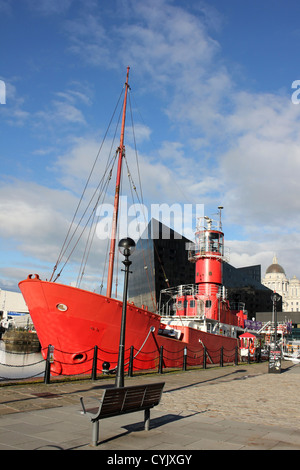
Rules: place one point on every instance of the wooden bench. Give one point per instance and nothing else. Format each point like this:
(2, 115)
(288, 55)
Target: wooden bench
(118, 401)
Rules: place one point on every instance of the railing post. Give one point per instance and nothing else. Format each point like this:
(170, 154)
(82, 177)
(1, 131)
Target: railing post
(184, 358)
(130, 367)
(221, 356)
(258, 356)
(204, 357)
(160, 366)
(94, 369)
(47, 367)
(249, 356)
(236, 356)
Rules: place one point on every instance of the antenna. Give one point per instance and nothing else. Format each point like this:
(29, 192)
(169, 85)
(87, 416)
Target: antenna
(220, 217)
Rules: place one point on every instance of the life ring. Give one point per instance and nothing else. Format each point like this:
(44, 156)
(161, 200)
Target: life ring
(252, 349)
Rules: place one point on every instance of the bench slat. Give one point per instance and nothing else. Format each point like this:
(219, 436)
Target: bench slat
(125, 399)
(117, 401)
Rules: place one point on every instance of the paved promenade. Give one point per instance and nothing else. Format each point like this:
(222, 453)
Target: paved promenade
(231, 408)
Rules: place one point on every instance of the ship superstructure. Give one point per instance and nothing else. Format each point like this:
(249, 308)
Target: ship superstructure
(204, 304)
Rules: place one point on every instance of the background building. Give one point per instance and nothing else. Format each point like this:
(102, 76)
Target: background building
(243, 285)
(276, 280)
(159, 261)
(13, 306)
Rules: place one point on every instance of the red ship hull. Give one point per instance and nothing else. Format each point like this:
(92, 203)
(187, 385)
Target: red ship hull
(90, 320)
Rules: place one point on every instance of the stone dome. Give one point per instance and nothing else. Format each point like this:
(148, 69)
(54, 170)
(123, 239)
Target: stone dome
(275, 267)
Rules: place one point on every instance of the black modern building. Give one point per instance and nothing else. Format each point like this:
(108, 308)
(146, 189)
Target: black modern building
(243, 285)
(161, 260)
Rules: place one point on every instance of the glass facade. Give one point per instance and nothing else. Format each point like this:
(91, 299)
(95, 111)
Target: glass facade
(157, 263)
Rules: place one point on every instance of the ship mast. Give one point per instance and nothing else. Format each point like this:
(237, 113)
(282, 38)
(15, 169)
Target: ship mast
(121, 150)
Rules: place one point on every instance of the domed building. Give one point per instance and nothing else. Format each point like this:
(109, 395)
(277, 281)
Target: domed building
(276, 280)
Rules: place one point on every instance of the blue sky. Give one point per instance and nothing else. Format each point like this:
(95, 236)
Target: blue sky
(215, 125)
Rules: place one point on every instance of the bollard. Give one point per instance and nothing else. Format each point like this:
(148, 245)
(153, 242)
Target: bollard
(221, 356)
(94, 368)
(130, 367)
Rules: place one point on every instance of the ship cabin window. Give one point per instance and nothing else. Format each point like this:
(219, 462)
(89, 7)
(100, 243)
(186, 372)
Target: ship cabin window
(192, 305)
(208, 304)
(211, 242)
(215, 242)
(181, 305)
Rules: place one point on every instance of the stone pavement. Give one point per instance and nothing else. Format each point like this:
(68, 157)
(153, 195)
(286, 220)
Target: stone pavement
(231, 408)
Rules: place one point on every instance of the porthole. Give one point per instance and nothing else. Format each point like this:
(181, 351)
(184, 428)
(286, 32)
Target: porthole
(79, 357)
(62, 307)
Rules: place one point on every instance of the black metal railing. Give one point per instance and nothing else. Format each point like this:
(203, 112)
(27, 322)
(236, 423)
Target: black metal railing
(96, 361)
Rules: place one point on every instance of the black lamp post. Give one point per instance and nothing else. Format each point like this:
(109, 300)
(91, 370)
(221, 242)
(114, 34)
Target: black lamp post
(126, 248)
(275, 352)
(275, 298)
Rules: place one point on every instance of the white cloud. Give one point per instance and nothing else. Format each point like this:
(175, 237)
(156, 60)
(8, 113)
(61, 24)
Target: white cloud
(261, 168)
(35, 221)
(14, 111)
(34, 217)
(49, 7)
(64, 109)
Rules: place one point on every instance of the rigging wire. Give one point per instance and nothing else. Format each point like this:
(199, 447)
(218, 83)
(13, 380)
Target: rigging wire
(64, 247)
(92, 232)
(104, 192)
(84, 227)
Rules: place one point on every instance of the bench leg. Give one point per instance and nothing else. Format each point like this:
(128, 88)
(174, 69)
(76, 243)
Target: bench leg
(95, 433)
(147, 419)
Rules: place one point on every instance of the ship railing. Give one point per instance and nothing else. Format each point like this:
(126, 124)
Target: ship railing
(189, 289)
(184, 318)
(184, 289)
(269, 328)
(168, 296)
(265, 327)
(195, 251)
(167, 305)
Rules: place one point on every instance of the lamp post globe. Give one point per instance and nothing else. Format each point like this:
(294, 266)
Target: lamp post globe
(126, 246)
